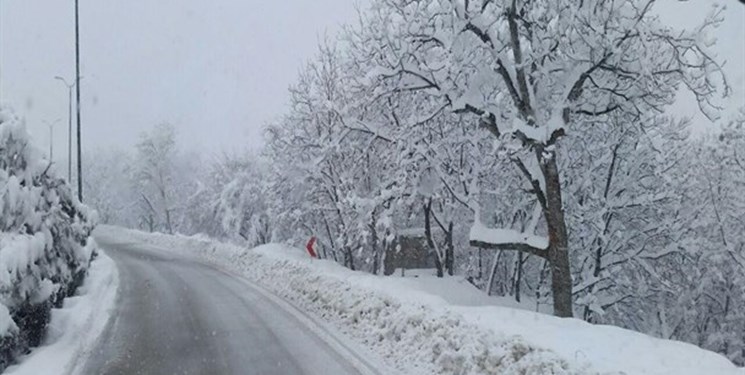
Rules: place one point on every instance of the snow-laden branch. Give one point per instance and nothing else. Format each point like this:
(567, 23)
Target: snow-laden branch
(507, 239)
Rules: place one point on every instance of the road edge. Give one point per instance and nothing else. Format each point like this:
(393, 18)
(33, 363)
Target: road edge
(322, 330)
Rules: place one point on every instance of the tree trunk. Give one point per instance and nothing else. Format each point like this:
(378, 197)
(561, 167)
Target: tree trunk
(558, 242)
(331, 238)
(430, 241)
(493, 273)
(481, 263)
(519, 275)
(541, 281)
(164, 198)
(375, 250)
(449, 251)
(348, 258)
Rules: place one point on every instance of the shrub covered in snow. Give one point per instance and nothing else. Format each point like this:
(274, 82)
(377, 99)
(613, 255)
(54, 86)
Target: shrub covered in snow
(44, 240)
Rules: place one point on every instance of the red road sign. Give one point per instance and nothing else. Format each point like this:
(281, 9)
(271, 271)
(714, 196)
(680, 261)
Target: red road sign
(309, 247)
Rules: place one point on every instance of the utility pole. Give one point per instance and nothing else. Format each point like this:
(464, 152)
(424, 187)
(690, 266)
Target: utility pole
(51, 137)
(1, 52)
(77, 89)
(69, 126)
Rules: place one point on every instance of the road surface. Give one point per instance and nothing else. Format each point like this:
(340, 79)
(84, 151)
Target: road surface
(178, 316)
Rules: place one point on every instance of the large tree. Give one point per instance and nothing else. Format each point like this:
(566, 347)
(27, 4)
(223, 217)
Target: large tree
(531, 72)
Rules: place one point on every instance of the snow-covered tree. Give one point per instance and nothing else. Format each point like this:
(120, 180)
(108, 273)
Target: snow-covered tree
(45, 247)
(153, 172)
(109, 187)
(709, 308)
(533, 71)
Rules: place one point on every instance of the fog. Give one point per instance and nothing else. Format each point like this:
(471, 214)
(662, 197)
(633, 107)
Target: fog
(461, 169)
(218, 71)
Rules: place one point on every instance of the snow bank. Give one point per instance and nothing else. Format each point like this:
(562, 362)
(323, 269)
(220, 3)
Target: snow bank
(74, 328)
(444, 329)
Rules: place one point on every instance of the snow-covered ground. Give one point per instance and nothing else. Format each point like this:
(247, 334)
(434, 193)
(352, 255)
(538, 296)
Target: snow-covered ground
(424, 325)
(75, 328)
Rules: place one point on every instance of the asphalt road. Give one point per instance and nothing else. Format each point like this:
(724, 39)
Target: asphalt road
(178, 316)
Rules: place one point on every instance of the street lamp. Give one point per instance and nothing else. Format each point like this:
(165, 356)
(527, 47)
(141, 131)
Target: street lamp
(51, 137)
(1, 52)
(69, 126)
(77, 89)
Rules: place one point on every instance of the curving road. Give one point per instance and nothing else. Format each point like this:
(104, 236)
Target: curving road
(177, 316)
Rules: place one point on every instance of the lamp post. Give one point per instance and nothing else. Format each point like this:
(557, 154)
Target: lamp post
(51, 137)
(69, 126)
(1, 52)
(77, 89)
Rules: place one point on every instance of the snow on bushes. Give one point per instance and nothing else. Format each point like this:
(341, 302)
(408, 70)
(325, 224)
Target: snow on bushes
(44, 246)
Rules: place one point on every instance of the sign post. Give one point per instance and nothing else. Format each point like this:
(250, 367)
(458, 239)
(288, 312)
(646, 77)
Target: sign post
(310, 249)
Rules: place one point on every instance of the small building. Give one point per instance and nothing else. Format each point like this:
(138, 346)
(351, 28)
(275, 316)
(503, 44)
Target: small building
(408, 251)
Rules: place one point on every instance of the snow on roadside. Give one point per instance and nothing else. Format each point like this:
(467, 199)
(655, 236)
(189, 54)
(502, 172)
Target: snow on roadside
(424, 330)
(75, 328)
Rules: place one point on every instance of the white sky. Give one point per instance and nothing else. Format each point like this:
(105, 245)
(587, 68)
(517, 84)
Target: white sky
(217, 69)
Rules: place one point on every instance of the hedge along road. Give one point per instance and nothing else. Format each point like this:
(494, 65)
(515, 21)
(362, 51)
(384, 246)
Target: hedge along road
(177, 316)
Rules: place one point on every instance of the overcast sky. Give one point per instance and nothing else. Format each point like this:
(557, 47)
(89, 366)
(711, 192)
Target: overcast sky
(217, 69)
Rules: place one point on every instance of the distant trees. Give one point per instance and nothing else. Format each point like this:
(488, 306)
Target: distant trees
(714, 299)
(152, 188)
(153, 172)
(108, 186)
(159, 187)
(239, 203)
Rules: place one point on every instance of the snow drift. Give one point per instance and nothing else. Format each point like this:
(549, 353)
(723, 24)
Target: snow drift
(44, 247)
(445, 327)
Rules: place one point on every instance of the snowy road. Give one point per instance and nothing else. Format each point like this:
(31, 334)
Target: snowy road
(177, 316)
